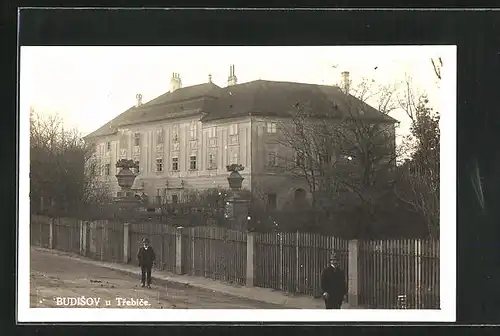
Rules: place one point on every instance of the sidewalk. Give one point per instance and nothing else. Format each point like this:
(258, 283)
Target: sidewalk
(253, 293)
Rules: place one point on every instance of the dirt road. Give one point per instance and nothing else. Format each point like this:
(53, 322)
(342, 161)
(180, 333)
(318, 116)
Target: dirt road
(60, 281)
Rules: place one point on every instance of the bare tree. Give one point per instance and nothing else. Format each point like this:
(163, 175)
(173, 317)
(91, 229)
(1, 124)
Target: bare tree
(419, 178)
(343, 152)
(63, 175)
(437, 64)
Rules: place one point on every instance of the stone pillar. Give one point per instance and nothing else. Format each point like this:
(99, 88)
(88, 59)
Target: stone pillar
(353, 283)
(126, 243)
(83, 238)
(250, 259)
(178, 251)
(51, 233)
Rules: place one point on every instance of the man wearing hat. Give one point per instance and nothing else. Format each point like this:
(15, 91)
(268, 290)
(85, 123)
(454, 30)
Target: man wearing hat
(146, 256)
(333, 283)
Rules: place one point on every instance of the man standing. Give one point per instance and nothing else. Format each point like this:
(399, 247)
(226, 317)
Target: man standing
(333, 284)
(146, 256)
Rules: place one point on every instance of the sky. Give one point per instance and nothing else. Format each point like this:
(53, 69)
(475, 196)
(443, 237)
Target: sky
(89, 86)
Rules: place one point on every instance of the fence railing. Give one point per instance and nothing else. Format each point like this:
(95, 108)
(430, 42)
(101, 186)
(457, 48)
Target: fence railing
(162, 238)
(405, 268)
(380, 274)
(293, 261)
(215, 253)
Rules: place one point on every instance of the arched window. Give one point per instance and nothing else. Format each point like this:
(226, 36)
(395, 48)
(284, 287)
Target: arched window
(300, 195)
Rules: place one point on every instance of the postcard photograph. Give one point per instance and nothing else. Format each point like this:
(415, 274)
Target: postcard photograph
(220, 183)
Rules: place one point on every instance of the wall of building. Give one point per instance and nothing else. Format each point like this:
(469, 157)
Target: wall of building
(268, 177)
(228, 141)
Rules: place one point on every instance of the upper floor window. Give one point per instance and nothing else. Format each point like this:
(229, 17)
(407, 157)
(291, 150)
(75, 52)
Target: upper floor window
(137, 139)
(159, 136)
(325, 158)
(175, 133)
(212, 132)
(124, 141)
(233, 129)
(271, 127)
(234, 158)
(272, 159)
(192, 130)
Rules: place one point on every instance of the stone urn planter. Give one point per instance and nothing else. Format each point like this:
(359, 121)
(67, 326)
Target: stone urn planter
(125, 176)
(235, 179)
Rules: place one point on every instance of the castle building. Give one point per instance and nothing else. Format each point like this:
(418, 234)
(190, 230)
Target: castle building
(185, 138)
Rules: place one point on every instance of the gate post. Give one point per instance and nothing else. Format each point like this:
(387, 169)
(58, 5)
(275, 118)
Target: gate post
(249, 280)
(126, 243)
(178, 250)
(83, 238)
(353, 281)
(51, 233)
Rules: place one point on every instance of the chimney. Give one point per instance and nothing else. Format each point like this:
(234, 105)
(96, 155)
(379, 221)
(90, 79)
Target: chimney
(232, 80)
(345, 82)
(209, 78)
(138, 98)
(175, 82)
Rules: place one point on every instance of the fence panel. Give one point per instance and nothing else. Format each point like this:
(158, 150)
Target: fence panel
(162, 239)
(266, 260)
(112, 248)
(293, 261)
(217, 253)
(399, 274)
(67, 234)
(187, 253)
(40, 230)
(314, 252)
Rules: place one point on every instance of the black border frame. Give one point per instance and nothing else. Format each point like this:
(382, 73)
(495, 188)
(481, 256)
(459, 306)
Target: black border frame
(477, 34)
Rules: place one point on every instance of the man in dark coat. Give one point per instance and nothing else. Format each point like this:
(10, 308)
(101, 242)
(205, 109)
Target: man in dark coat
(333, 284)
(146, 256)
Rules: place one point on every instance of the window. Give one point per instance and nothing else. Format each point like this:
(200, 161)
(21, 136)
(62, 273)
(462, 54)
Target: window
(192, 162)
(212, 161)
(233, 129)
(192, 130)
(159, 136)
(108, 146)
(124, 141)
(159, 165)
(299, 160)
(212, 132)
(175, 163)
(271, 127)
(175, 133)
(107, 169)
(271, 201)
(137, 139)
(175, 198)
(272, 160)
(325, 158)
(234, 158)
